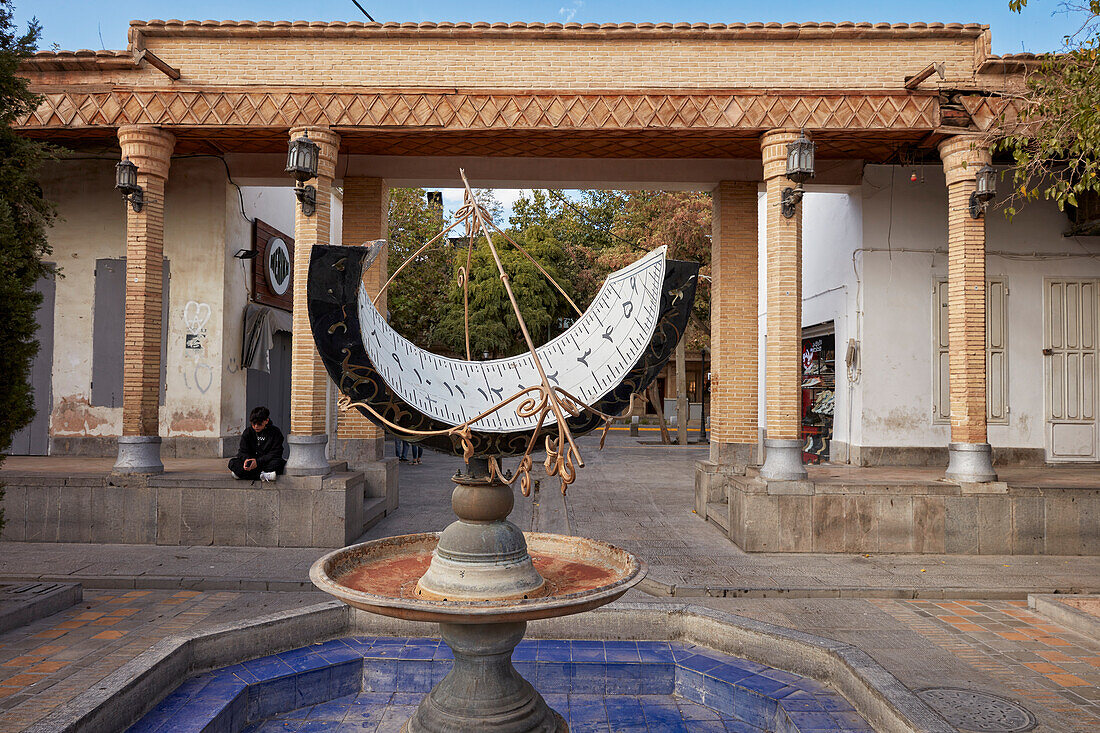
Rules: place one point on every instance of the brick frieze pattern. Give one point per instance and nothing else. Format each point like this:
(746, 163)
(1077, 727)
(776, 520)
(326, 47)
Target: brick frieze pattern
(487, 110)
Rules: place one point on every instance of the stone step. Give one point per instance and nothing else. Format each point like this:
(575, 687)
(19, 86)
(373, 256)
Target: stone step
(374, 508)
(719, 514)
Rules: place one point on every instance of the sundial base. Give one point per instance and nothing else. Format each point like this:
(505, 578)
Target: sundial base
(482, 556)
(484, 692)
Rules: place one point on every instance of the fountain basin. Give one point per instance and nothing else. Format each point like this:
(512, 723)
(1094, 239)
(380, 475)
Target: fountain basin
(371, 683)
(380, 576)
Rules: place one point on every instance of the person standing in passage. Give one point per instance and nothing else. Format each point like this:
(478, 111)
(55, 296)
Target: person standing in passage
(260, 455)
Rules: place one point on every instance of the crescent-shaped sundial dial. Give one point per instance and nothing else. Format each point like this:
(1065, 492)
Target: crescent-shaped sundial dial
(539, 400)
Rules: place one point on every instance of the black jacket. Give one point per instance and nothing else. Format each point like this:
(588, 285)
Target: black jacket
(266, 444)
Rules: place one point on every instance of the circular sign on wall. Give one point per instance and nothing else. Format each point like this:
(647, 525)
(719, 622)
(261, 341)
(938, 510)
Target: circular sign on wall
(278, 266)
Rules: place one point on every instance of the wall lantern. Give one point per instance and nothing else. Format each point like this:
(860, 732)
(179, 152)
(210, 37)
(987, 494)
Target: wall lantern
(985, 189)
(301, 160)
(126, 181)
(800, 168)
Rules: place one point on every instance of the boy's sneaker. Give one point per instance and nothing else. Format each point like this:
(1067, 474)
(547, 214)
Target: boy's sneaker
(267, 475)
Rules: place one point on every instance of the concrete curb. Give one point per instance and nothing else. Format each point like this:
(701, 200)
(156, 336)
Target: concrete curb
(26, 602)
(122, 697)
(648, 585)
(1074, 619)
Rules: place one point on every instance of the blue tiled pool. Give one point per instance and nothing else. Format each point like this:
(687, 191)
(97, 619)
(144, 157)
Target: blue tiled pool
(373, 684)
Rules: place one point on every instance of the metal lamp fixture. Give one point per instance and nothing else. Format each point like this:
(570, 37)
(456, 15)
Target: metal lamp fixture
(985, 189)
(800, 168)
(126, 181)
(301, 161)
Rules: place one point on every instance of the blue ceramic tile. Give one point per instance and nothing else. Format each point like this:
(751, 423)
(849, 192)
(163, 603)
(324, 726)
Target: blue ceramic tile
(649, 651)
(527, 670)
(800, 700)
(552, 677)
(365, 699)
(623, 711)
(807, 720)
(689, 684)
(443, 652)
(525, 651)
(319, 726)
(698, 663)
(418, 651)
(552, 650)
(271, 698)
(754, 709)
(414, 676)
(624, 679)
(718, 694)
(440, 669)
(706, 726)
(588, 678)
(621, 651)
(406, 699)
(731, 673)
(737, 726)
(695, 712)
(588, 650)
(379, 675)
(267, 668)
(301, 660)
(850, 721)
(331, 710)
(833, 703)
(761, 685)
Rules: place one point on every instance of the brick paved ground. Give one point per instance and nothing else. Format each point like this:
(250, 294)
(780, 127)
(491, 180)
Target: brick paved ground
(638, 497)
(50, 661)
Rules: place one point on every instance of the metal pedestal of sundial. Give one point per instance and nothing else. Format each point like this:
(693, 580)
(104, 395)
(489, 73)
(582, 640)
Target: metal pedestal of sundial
(479, 580)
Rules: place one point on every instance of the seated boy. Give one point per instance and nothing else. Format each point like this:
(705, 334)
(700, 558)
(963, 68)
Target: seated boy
(260, 455)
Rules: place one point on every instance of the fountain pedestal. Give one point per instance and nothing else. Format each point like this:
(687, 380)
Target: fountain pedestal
(483, 691)
(481, 580)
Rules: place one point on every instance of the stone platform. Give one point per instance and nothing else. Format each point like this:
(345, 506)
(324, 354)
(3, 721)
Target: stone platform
(1053, 510)
(194, 502)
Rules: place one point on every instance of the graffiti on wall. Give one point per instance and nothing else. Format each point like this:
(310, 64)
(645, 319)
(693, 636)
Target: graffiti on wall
(198, 374)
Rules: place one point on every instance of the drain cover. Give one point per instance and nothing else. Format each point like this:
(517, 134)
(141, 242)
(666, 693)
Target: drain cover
(978, 712)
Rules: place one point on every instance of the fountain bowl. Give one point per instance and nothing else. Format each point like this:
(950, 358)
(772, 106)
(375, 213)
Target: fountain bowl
(380, 576)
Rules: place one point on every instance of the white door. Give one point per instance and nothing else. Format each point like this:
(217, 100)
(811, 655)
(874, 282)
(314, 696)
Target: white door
(1070, 356)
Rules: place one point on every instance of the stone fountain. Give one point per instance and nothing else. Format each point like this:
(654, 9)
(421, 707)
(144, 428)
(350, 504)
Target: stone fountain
(482, 579)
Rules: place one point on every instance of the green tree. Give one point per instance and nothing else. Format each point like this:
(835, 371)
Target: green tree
(1055, 140)
(494, 328)
(416, 298)
(24, 216)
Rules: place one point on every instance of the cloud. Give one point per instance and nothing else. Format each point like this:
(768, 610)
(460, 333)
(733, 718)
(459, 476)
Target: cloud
(569, 13)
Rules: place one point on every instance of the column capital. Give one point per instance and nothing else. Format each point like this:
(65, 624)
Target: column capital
(329, 143)
(773, 149)
(147, 147)
(962, 156)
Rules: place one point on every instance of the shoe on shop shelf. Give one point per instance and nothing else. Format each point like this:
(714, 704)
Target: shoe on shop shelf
(267, 475)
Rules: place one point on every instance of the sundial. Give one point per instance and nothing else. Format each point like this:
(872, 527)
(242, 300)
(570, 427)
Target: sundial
(495, 408)
(478, 578)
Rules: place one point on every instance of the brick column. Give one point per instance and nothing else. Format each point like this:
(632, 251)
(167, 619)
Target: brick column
(733, 317)
(308, 380)
(971, 458)
(150, 149)
(366, 208)
(783, 365)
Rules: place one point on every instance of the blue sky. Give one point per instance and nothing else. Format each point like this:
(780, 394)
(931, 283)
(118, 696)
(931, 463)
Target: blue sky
(75, 24)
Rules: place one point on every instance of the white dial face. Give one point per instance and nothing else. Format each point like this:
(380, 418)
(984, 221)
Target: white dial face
(588, 360)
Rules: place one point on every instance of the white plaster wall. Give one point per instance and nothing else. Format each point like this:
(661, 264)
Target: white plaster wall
(91, 225)
(897, 304)
(831, 232)
(208, 290)
(275, 207)
(194, 242)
